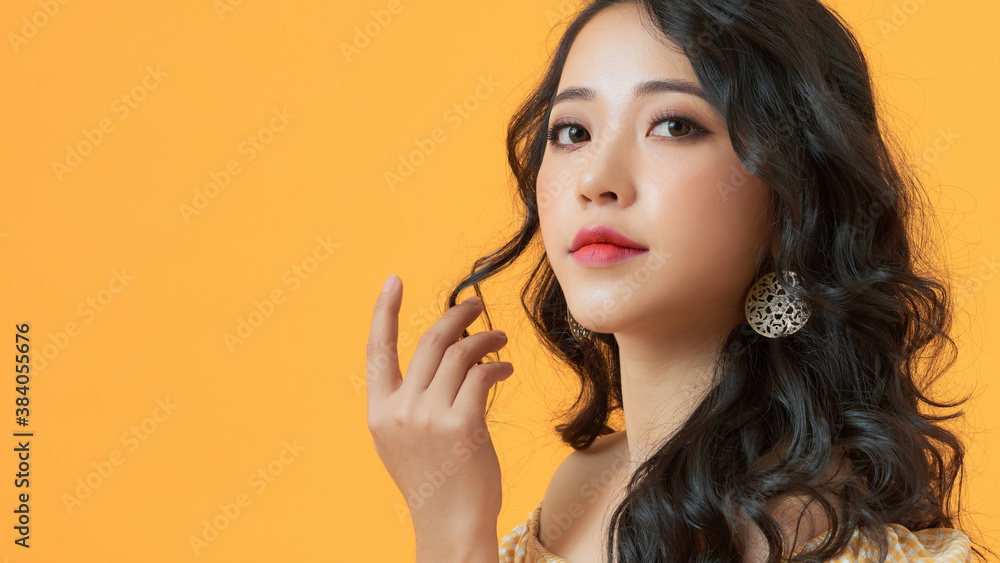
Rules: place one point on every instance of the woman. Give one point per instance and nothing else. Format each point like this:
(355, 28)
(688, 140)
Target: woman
(728, 262)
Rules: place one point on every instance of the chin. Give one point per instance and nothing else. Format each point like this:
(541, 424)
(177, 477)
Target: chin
(605, 319)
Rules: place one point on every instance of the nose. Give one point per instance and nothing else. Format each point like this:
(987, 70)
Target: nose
(606, 175)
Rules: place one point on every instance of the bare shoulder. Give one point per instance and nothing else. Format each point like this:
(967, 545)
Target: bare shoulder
(801, 518)
(583, 478)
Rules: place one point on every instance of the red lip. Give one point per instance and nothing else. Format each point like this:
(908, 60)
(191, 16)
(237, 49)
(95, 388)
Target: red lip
(603, 234)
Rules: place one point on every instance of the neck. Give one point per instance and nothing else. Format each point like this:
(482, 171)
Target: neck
(665, 375)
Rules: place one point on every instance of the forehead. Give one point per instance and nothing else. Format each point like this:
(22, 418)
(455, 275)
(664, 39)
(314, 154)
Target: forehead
(617, 49)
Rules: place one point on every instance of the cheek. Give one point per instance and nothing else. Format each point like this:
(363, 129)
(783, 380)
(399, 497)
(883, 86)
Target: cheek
(712, 218)
(552, 185)
(551, 189)
(741, 204)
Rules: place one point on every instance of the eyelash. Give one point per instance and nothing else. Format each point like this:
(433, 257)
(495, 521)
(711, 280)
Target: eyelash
(697, 130)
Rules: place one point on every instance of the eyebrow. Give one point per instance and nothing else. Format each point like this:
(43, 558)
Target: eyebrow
(647, 88)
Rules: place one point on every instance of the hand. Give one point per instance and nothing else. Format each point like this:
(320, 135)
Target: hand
(429, 428)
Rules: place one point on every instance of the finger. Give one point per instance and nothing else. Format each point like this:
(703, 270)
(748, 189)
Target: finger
(382, 374)
(471, 398)
(456, 362)
(432, 344)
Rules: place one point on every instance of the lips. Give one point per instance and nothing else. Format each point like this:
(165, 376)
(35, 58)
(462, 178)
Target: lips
(603, 234)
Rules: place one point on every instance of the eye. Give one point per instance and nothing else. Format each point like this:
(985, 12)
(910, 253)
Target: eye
(676, 127)
(564, 134)
(673, 125)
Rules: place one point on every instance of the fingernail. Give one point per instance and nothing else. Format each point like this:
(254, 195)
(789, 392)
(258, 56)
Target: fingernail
(390, 282)
(472, 300)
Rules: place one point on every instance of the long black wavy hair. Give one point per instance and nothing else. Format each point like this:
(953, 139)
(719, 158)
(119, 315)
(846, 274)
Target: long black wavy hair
(794, 88)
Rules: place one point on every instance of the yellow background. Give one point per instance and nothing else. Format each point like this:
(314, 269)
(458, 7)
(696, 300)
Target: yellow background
(204, 81)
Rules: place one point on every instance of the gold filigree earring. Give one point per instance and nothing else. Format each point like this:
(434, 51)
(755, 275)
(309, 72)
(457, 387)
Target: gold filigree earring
(771, 310)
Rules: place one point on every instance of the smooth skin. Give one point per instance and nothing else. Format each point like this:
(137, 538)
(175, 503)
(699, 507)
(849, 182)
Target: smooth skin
(432, 422)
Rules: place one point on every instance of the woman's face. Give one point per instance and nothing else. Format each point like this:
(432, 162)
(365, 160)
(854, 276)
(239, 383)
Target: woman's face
(674, 185)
